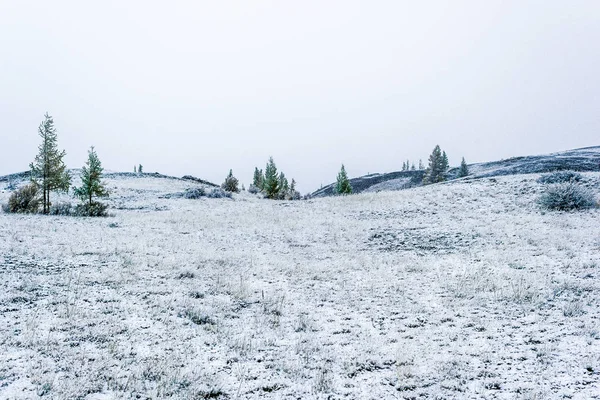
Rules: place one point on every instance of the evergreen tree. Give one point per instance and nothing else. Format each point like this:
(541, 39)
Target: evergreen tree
(421, 167)
(435, 172)
(91, 183)
(464, 169)
(403, 166)
(140, 169)
(271, 181)
(134, 169)
(284, 186)
(445, 164)
(48, 171)
(343, 183)
(258, 179)
(231, 183)
(413, 168)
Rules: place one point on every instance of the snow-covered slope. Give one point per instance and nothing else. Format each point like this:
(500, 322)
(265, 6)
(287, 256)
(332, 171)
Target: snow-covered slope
(460, 290)
(585, 159)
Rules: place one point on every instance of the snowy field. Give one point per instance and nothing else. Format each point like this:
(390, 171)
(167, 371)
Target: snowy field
(460, 290)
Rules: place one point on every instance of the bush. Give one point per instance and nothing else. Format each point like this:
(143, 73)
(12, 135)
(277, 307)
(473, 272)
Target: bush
(560, 177)
(95, 209)
(567, 196)
(218, 193)
(61, 209)
(195, 193)
(24, 200)
(253, 189)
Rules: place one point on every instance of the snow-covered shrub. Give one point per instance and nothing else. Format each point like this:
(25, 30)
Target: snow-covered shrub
(567, 196)
(94, 209)
(253, 189)
(61, 209)
(24, 200)
(218, 193)
(560, 177)
(195, 193)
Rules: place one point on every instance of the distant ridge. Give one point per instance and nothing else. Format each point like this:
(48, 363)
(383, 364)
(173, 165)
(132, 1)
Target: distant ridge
(25, 175)
(583, 159)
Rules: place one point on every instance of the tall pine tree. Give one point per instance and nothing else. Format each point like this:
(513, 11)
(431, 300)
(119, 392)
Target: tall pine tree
(48, 171)
(464, 169)
(91, 179)
(271, 181)
(343, 183)
(436, 170)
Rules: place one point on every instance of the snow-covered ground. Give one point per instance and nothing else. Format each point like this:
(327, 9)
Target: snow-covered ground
(459, 290)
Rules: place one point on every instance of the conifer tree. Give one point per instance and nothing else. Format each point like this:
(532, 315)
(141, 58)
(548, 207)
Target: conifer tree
(435, 172)
(140, 169)
(135, 169)
(91, 179)
(257, 180)
(284, 186)
(231, 183)
(464, 169)
(343, 183)
(421, 167)
(48, 171)
(271, 181)
(445, 164)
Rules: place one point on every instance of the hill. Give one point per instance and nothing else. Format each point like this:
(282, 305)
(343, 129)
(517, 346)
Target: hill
(461, 290)
(584, 159)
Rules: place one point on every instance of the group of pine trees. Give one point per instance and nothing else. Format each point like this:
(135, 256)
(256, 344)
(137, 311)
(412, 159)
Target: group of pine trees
(438, 167)
(272, 184)
(49, 174)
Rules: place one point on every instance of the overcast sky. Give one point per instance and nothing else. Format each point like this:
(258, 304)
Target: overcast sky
(199, 87)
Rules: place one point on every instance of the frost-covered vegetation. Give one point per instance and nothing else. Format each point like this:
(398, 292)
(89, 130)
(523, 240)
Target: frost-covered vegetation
(560, 177)
(567, 196)
(461, 290)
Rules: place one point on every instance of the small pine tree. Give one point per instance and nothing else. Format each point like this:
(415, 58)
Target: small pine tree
(49, 171)
(231, 183)
(140, 169)
(343, 183)
(257, 181)
(421, 167)
(91, 183)
(284, 187)
(435, 172)
(271, 181)
(413, 168)
(403, 166)
(464, 169)
(134, 169)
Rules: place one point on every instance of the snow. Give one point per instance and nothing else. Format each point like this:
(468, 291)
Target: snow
(460, 290)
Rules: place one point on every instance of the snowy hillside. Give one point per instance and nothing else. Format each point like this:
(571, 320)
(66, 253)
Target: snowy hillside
(460, 290)
(585, 159)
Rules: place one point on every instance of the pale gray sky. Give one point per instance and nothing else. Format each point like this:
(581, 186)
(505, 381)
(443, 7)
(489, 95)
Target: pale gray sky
(199, 87)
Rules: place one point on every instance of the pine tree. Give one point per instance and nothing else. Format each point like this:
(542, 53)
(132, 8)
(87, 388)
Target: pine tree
(464, 169)
(258, 179)
(445, 164)
(231, 183)
(140, 169)
(435, 172)
(403, 166)
(343, 183)
(271, 181)
(284, 186)
(49, 171)
(421, 167)
(413, 168)
(91, 179)
(134, 169)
